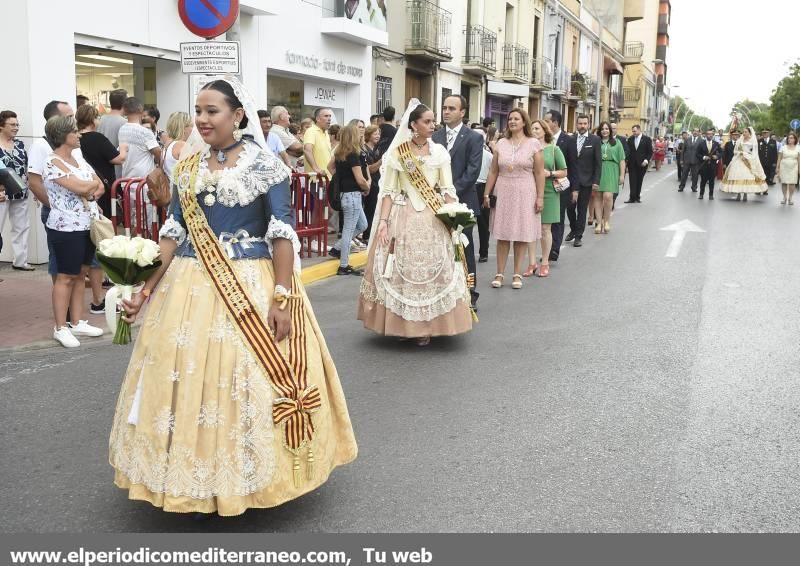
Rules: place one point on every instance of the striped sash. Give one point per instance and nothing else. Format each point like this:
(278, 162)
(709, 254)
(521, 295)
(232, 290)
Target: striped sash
(430, 197)
(295, 400)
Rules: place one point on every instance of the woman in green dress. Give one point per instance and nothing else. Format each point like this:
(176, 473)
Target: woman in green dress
(555, 169)
(612, 176)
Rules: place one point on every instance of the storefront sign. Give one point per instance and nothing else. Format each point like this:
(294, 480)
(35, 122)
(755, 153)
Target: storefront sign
(329, 65)
(208, 18)
(323, 94)
(210, 57)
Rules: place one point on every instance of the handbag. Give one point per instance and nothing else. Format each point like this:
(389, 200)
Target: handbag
(561, 185)
(13, 183)
(158, 188)
(100, 227)
(334, 193)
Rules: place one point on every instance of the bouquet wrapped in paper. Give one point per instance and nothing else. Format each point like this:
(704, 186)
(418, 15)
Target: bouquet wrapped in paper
(128, 262)
(457, 216)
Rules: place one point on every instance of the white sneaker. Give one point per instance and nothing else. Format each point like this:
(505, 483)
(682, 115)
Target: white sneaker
(64, 337)
(83, 328)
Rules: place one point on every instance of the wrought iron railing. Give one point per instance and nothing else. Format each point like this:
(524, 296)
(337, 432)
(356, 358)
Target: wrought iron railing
(481, 47)
(428, 27)
(634, 50)
(515, 62)
(542, 72)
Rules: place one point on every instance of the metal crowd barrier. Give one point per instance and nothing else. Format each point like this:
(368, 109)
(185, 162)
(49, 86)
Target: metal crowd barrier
(133, 211)
(310, 202)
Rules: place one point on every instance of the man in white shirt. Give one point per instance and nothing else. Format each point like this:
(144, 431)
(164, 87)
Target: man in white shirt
(144, 152)
(280, 127)
(483, 218)
(274, 143)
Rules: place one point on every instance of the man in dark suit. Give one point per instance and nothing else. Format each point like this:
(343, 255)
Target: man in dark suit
(708, 153)
(624, 141)
(641, 148)
(727, 152)
(690, 164)
(588, 165)
(553, 120)
(768, 155)
(679, 146)
(466, 153)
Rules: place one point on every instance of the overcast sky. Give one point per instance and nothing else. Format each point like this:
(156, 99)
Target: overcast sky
(717, 57)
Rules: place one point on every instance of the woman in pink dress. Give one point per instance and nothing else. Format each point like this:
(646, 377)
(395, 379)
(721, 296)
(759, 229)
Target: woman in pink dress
(659, 152)
(516, 180)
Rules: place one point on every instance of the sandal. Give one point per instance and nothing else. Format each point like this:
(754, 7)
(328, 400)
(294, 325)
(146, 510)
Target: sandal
(517, 283)
(531, 270)
(424, 341)
(544, 271)
(498, 281)
(598, 227)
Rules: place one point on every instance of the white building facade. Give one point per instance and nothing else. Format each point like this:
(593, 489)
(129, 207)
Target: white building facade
(297, 53)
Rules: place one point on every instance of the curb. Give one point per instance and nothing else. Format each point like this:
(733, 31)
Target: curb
(312, 274)
(326, 269)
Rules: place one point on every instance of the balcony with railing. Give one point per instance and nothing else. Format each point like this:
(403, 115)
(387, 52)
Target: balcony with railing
(633, 53)
(616, 98)
(562, 81)
(582, 87)
(428, 30)
(515, 63)
(480, 54)
(542, 74)
(631, 96)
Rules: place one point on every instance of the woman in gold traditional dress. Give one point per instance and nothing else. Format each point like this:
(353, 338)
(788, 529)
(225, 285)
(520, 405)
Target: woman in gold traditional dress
(231, 400)
(413, 286)
(745, 175)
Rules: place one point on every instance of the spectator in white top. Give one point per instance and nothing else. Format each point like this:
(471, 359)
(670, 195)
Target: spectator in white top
(38, 153)
(281, 120)
(179, 128)
(273, 141)
(483, 218)
(111, 123)
(144, 153)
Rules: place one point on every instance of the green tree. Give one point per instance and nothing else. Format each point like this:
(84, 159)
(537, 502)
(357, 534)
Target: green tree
(785, 101)
(685, 118)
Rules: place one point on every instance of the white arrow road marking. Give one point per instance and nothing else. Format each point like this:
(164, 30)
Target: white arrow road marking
(680, 229)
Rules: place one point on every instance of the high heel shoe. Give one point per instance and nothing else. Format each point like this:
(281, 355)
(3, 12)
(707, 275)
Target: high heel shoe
(531, 270)
(606, 227)
(498, 281)
(598, 227)
(517, 283)
(544, 271)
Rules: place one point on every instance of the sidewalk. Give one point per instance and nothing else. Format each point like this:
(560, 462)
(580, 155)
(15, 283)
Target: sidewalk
(26, 312)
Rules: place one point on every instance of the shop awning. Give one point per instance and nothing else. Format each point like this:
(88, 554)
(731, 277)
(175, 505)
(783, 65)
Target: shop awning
(612, 67)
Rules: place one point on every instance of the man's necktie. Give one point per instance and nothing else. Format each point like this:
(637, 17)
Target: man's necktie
(451, 134)
(581, 139)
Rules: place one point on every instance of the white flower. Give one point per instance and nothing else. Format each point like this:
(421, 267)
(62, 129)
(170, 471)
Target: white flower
(454, 208)
(148, 252)
(209, 200)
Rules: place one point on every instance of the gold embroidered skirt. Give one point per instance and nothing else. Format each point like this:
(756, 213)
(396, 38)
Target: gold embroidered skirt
(425, 292)
(739, 178)
(203, 438)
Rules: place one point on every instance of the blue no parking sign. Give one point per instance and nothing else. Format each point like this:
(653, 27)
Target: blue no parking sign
(208, 18)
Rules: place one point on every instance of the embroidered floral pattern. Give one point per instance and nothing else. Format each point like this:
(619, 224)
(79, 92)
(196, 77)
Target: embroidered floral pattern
(164, 421)
(173, 230)
(210, 416)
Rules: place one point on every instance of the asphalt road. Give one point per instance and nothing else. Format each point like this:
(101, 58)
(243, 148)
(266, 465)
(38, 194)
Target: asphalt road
(627, 392)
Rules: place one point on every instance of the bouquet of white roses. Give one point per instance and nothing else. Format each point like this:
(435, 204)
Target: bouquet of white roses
(127, 262)
(457, 216)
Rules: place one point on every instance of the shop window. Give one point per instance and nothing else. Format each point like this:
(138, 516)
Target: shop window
(383, 96)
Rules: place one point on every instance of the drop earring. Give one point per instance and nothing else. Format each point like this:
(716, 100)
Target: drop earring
(237, 133)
